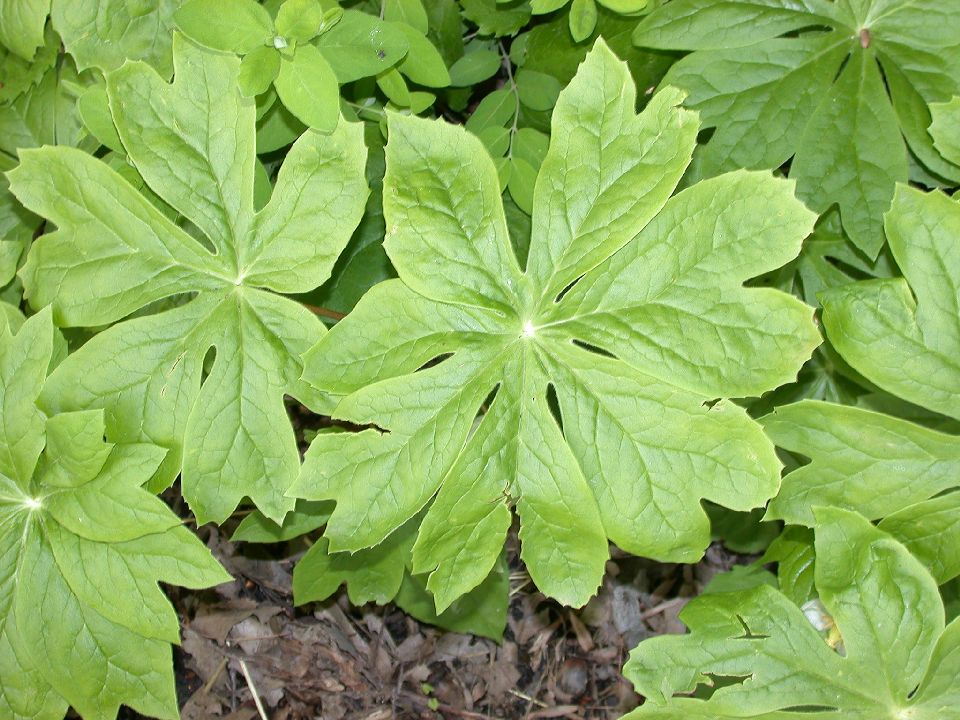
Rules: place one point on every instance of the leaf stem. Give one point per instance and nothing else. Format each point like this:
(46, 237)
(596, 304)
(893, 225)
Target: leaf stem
(324, 312)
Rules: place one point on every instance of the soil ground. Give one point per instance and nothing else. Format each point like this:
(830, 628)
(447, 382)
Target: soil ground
(245, 643)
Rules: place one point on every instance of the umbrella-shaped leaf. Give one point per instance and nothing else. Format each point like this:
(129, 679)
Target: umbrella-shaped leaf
(82, 548)
(897, 660)
(193, 142)
(594, 402)
(842, 88)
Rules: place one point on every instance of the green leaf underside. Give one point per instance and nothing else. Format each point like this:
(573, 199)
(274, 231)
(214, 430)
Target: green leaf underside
(888, 612)
(880, 466)
(82, 548)
(771, 98)
(113, 252)
(903, 333)
(636, 430)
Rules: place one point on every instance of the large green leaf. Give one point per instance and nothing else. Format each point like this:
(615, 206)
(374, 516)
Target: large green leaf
(21, 25)
(903, 334)
(82, 548)
(113, 253)
(945, 129)
(897, 660)
(880, 466)
(844, 97)
(657, 283)
(106, 33)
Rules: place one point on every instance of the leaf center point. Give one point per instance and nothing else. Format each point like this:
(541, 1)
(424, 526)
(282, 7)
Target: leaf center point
(529, 330)
(32, 504)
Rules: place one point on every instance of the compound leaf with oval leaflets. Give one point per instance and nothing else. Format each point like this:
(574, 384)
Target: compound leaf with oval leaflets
(474, 379)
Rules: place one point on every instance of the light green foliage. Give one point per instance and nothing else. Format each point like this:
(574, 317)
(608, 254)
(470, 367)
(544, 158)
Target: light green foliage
(844, 97)
(114, 252)
(21, 25)
(945, 129)
(274, 52)
(20, 75)
(636, 443)
(82, 548)
(793, 552)
(583, 13)
(47, 115)
(362, 46)
(901, 334)
(495, 18)
(891, 625)
(363, 263)
(881, 466)
(105, 33)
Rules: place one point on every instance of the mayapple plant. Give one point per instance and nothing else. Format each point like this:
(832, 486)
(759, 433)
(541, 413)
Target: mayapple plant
(586, 389)
(561, 315)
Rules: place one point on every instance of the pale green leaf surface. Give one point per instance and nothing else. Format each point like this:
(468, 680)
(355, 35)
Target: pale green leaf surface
(361, 45)
(931, 531)
(21, 25)
(258, 70)
(299, 19)
(104, 34)
(114, 252)
(903, 334)
(230, 25)
(709, 25)
(21, 75)
(945, 129)
(82, 548)
(308, 87)
(771, 96)
(306, 517)
(409, 12)
(423, 63)
(465, 332)
(888, 612)
(878, 465)
(861, 460)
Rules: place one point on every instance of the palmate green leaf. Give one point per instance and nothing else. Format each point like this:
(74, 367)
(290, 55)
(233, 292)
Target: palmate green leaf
(818, 96)
(903, 335)
(113, 253)
(880, 466)
(105, 33)
(638, 444)
(899, 661)
(82, 548)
